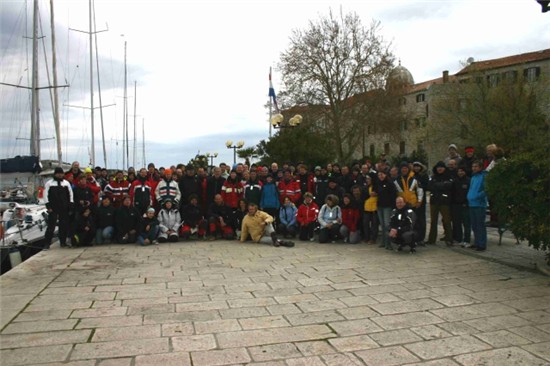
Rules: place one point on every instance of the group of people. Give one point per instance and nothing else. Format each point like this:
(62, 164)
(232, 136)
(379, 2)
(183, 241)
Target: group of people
(264, 204)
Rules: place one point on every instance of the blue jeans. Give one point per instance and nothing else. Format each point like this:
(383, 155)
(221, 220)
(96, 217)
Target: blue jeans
(477, 220)
(104, 235)
(384, 214)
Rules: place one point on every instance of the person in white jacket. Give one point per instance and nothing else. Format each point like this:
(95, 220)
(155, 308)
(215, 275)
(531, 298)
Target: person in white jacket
(169, 222)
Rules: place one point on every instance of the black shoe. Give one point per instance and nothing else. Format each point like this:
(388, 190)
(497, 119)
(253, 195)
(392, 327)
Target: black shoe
(399, 248)
(277, 243)
(413, 251)
(480, 249)
(473, 247)
(287, 243)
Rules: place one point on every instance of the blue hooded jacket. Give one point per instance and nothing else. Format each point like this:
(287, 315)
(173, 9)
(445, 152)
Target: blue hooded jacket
(476, 194)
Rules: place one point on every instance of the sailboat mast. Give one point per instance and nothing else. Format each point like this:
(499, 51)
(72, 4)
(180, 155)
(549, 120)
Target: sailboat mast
(55, 96)
(92, 153)
(143, 140)
(135, 133)
(35, 124)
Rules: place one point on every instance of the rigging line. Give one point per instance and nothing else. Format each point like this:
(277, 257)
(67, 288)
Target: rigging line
(15, 28)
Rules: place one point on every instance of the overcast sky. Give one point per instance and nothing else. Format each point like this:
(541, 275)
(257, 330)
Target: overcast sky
(201, 67)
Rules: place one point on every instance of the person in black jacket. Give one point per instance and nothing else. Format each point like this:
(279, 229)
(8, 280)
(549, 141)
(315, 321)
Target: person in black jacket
(460, 212)
(105, 221)
(127, 222)
(84, 228)
(189, 185)
(386, 192)
(192, 219)
(220, 219)
(58, 197)
(441, 188)
(214, 185)
(423, 179)
(402, 223)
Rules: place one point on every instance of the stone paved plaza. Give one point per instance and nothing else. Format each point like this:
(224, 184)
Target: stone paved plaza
(227, 303)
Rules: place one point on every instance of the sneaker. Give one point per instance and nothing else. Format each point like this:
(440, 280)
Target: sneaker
(155, 242)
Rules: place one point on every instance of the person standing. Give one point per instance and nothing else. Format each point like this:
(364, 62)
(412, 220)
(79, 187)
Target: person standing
(386, 193)
(168, 189)
(117, 189)
(440, 187)
(460, 213)
(58, 197)
(477, 202)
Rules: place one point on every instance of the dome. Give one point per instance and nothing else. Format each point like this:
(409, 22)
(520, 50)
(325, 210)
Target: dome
(399, 77)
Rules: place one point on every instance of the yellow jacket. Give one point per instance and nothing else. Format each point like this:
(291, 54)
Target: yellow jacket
(255, 225)
(371, 203)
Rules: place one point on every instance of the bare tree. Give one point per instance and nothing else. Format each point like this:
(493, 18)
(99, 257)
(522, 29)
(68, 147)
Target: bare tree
(332, 60)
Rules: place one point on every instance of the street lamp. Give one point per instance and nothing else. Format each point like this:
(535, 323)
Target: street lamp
(211, 156)
(229, 145)
(278, 119)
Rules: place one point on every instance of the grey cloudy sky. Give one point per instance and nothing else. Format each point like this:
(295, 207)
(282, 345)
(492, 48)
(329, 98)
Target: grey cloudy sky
(201, 67)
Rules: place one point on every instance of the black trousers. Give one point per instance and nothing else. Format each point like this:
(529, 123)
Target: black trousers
(53, 218)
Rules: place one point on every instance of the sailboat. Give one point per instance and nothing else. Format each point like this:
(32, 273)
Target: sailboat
(24, 218)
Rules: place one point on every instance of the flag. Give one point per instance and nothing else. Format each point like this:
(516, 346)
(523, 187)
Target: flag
(272, 93)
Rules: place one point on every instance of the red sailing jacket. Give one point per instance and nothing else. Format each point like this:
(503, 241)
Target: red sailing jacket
(232, 192)
(290, 190)
(307, 214)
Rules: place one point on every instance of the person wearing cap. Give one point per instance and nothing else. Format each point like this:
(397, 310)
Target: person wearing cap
(105, 221)
(127, 221)
(468, 159)
(452, 154)
(189, 185)
(307, 218)
(440, 187)
(58, 198)
(258, 227)
(169, 222)
(117, 189)
(93, 184)
(168, 189)
(149, 228)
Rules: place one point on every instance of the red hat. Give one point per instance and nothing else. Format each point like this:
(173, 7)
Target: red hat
(469, 149)
(167, 171)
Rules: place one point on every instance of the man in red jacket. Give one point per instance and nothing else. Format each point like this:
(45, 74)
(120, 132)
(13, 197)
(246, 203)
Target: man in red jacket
(288, 187)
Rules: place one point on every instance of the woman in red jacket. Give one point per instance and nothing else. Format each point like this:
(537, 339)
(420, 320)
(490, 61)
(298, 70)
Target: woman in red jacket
(232, 190)
(307, 217)
(350, 221)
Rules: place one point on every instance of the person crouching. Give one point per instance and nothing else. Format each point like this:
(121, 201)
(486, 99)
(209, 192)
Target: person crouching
(170, 221)
(258, 226)
(149, 228)
(402, 221)
(84, 231)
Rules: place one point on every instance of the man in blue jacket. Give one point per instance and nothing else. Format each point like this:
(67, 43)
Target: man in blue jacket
(477, 201)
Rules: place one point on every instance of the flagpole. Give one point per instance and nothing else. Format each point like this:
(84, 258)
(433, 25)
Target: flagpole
(270, 105)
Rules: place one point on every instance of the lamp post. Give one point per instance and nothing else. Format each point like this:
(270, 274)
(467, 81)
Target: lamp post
(211, 157)
(229, 145)
(277, 121)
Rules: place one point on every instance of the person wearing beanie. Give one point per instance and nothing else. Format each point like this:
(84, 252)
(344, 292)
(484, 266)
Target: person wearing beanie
(168, 189)
(452, 154)
(468, 159)
(149, 228)
(58, 198)
(440, 187)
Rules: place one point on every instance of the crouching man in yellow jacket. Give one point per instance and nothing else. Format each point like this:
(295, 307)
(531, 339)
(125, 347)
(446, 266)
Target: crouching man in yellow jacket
(258, 226)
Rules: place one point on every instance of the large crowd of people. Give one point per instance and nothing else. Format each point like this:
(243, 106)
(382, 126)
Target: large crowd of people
(370, 202)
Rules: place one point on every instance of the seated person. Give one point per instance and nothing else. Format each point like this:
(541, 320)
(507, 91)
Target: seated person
(402, 222)
(84, 230)
(169, 222)
(220, 219)
(307, 217)
(287, 218)
(149, 228)
(330, 219)
(193, 219)
(258, 226)
(127, 220)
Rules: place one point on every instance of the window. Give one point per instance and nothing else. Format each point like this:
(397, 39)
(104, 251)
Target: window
(420, 98)
(371, 152)
(402, 148)
(493, 80)
(510, 77)
(420, 121)
(531, 74)
(387, 148)
(404, 125)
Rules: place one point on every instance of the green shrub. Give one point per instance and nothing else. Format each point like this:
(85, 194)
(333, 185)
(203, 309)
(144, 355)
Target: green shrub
(519, 189)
